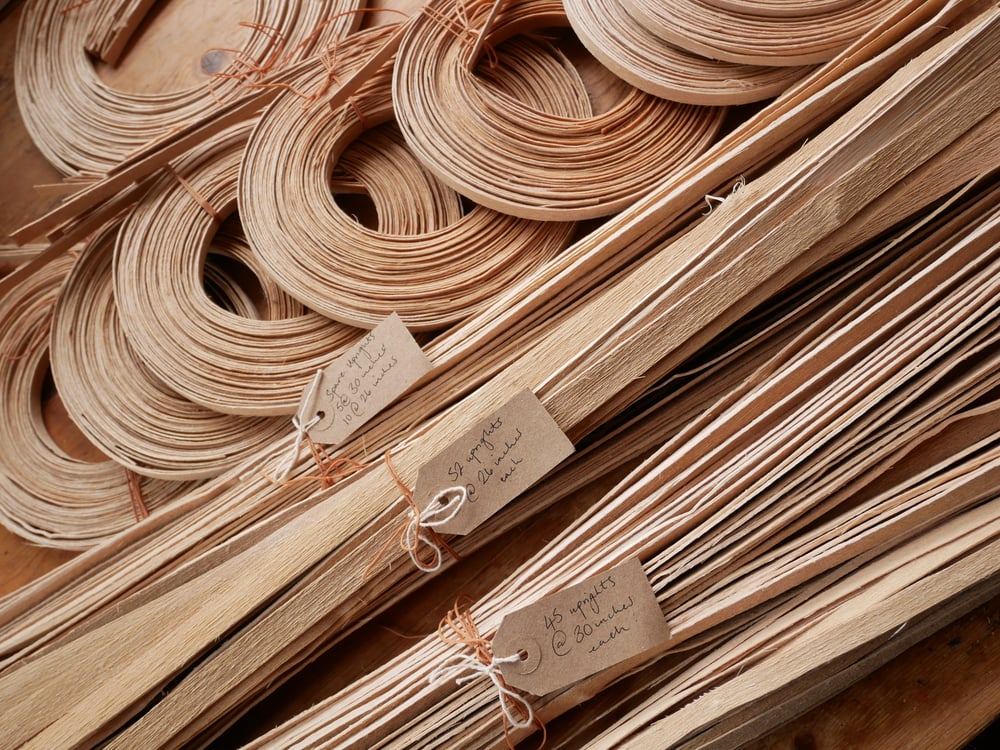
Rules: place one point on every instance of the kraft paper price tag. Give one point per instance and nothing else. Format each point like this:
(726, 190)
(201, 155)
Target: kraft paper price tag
(498, 459)
(364, 380)
(580, 631)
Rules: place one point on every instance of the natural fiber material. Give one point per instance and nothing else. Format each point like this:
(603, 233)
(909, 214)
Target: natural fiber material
(119, 404)
(677, 402)
(510, 156)
(761, 33)
(95, 582)
(46, 495)
(367, 498)
(83, 125)
(431, 273)
(782, 459)
(222, 361)
(647, 320)
(660, 68)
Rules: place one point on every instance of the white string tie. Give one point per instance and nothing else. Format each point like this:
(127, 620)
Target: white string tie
(301, 428)
(737, 186)
(442, 508)
(464, 669)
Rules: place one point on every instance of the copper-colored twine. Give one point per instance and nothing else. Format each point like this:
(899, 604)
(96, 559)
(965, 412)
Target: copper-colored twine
(399, 536)
(135, 493)
(198, 197)
(458, 628)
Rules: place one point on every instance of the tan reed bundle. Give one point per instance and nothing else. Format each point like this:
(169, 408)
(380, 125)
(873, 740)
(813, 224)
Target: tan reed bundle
(510, 156)
(83, 125)
(761, 33)
(224, 362)
(117, 401)
(360, 275)
(658, 67)
(573, 394)
(47, 495)
(791, 475)
(41, 612)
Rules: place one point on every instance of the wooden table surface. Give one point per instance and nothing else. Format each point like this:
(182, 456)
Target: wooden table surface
(940, 693)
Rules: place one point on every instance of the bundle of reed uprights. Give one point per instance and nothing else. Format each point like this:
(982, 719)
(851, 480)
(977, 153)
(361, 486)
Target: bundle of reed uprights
(770, 331)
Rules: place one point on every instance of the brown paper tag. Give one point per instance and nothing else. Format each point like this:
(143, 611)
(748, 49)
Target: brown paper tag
(498, 459)
(364, 380)
(606, 620)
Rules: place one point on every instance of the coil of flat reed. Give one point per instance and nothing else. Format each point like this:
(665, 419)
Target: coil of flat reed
(82, 125)
(221, 361)
(47, 495)
(511, 156)
(430, 274)
(761, 32)
(658, 67)
(379, 167)
(781, 8)
(116, 400)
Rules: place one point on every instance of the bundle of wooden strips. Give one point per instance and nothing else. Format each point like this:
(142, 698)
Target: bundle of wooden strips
(114, 23)
(761, 33)
(200, 705)
(216, 513)
(378, 166)
(222, 361)
(12, 256)
(47, 495)
(648, 320)
(658, 67)
(83, 125)
(359, 275)
(813, 436)
(119, 404)
(787, 656)
(956, 468)
(514, 158)
(927, 582)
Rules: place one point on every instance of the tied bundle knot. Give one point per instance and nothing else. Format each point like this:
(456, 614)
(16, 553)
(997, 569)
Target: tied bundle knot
(464, 669)
(423, 524)
(287, 462)
(420, 527)
(459, 628)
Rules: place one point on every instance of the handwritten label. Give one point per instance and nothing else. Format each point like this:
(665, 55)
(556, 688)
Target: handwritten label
(364, 380)
(498, 459)
(609, 619)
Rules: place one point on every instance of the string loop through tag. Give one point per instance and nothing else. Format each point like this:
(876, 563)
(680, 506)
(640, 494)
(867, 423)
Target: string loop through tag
(420, 525)
(459, 628)
(443, 507)
(301, 428)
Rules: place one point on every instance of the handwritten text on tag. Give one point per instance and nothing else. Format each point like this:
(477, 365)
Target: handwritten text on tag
(364, 380)
(608, 619)
(495, 461)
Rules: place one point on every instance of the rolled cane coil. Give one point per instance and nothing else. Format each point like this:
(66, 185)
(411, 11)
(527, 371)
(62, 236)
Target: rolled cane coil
(117, 401)
(516, 158)
(431, 275)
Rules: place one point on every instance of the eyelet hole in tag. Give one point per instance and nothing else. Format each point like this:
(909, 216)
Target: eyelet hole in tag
(496, 460)
(531, 657)
(362, 381)
(608, 619)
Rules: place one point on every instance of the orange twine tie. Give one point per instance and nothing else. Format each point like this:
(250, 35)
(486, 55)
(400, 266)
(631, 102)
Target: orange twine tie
(329, 469)
(459, 628)
(135, 493)
(419, 527)
(198, 197)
